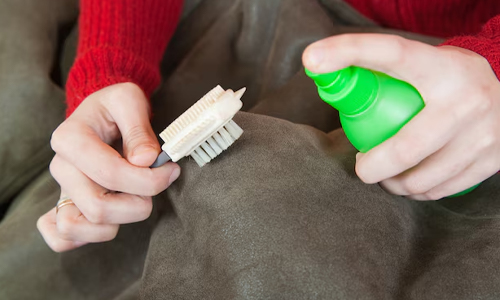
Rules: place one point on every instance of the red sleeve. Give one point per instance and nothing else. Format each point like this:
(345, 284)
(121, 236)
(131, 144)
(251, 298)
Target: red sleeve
(120, 41)
(486, 43)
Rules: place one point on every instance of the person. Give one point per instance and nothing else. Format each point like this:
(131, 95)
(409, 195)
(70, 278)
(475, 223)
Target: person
(453, 144)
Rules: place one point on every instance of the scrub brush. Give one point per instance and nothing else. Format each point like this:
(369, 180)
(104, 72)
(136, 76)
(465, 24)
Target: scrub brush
(204, 130)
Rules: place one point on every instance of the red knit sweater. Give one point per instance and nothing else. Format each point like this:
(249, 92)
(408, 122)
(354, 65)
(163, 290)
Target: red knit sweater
(123, 40)
(120, 41)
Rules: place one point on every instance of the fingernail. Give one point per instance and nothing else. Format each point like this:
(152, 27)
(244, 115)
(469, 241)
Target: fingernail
(142, 149)
(316, 55)
(175, 174)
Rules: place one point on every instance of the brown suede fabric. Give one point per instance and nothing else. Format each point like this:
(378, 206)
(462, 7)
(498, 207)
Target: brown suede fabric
(280, 215)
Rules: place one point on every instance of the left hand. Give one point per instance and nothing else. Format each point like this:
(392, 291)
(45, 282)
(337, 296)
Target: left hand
(454, 142)
(107, 188)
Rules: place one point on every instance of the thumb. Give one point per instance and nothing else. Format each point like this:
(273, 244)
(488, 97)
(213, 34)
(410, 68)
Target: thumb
(396, 56)
(131, 114)
(140, 144)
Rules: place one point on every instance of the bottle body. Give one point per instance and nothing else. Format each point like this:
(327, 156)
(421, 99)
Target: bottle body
(395, 103)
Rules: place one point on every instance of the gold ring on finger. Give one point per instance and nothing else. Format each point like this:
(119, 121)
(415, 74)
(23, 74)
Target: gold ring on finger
(63, 202)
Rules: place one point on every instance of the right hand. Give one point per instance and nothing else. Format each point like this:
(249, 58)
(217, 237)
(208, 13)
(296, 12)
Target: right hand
(108, 189)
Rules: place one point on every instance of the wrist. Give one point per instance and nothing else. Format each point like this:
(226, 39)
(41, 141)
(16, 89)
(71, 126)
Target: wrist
(486, 48)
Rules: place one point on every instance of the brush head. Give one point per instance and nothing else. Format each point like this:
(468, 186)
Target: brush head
(206, 128)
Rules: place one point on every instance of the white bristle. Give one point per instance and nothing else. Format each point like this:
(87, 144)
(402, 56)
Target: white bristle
(226, 136)
(217, 143)
(208, 149)
(234, 129)
(214, 145)
(197, 159)
(220, 141)
(203, 154)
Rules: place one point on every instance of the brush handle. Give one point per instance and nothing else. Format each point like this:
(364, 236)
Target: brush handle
(162, 159)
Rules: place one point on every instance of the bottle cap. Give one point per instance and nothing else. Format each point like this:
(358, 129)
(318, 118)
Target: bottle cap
(348, 90)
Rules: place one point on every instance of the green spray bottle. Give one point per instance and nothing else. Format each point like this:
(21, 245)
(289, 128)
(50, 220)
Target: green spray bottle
(373, 106)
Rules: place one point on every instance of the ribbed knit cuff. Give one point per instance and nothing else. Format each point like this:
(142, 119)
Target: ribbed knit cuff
(102, 67)
(120, 41)
(488, 48)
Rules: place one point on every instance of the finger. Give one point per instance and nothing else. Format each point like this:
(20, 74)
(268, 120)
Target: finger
(95, 202)
(424, 135)
(393, 55)
(140, 144)
(471, 176)
(80, 146)
(441, 166)
(73, 226)
(47, 226)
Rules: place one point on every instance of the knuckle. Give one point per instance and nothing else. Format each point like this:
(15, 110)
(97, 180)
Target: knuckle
(57, 246)
(360, 171)
(158, 185)
(433, 195)
(57, 138)
(66, 228)
(144, 209)
(407, 152)
(40, 224)
(414, 186)
(95, 216)
(53, 167)
(152, 184)
(95, 212)
(398, 45)
(484, 103)
(481, 103)
(152, 191)
(109, 235)
(487, 141)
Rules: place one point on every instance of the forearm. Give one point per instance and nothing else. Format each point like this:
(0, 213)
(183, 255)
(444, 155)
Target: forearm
(120, 41)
